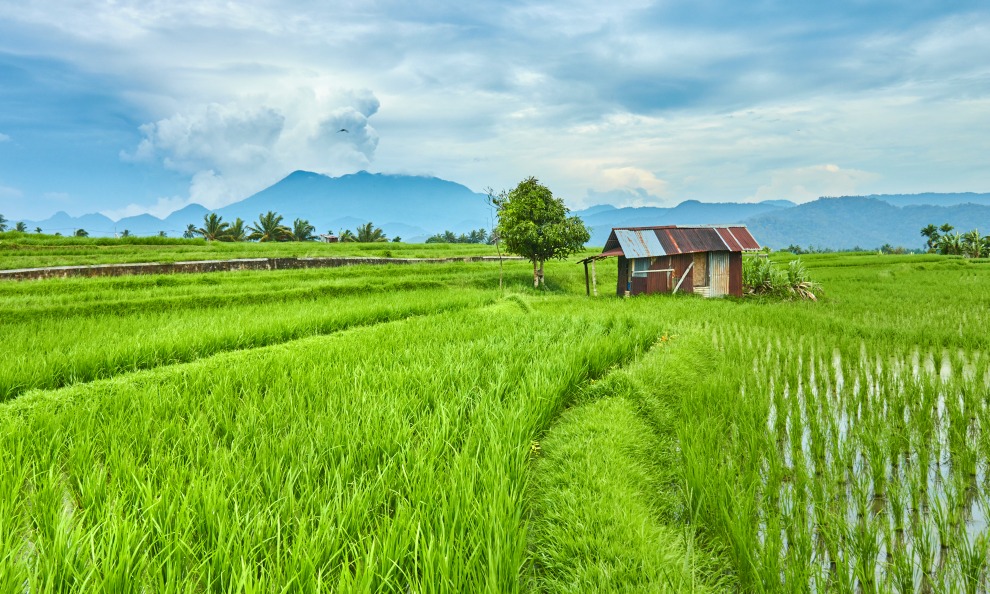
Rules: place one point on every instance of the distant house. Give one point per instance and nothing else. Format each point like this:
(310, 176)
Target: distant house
(706, 260)
(329, 238)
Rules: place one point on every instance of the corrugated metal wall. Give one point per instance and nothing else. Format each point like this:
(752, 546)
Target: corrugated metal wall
(735, 274)
(718, 271)
(724, 272)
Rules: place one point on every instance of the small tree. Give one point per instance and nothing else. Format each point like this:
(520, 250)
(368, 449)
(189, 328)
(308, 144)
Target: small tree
(931, 235)
(190, 231)
(81, 233)
(236, 231)
(269, 228)
(535, 225)
(368, 233)
(347, 236)
(37, 229)
(162, 234)
(972, 244)
(3, 223)
(126, 233)
(21, 226)
(302, 230)
(213, 227)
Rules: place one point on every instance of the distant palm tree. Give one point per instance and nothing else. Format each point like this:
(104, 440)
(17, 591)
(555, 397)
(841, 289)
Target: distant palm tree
(21, 226)
(347, 235)
(37, 229)
(368, 233)
(269, 228)
(302, 230)
(162, 234)
(3, 223)
(236, 231)
(126, 233)
(190, 231)
(950, 244)
(972, 244)
(931, 233)
(213, 227)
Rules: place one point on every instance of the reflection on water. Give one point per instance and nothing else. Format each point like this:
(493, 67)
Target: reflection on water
(879, 473)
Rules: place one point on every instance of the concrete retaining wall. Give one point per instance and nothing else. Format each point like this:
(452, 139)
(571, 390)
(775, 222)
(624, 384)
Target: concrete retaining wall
(222, 266)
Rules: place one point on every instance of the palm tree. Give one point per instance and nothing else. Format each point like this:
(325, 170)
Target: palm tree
(347, 235)
(3, 223)
(269, 228)
(126, 233)
(302, 230)
(368, 233)
(21, 226)
(37, 229)
(950, 244)
(190, 231)
(972, 244)
(930, 232)
(236, 231)
(213, 227)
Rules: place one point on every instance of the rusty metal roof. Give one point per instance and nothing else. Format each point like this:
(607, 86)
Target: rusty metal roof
(738, 235)
(690, 240)
(639, 244)
(643, 242)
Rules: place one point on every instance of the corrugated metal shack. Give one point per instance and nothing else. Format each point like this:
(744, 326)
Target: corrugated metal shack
(706, 260)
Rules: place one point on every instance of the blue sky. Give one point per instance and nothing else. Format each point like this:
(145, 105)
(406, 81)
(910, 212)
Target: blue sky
(129, 106)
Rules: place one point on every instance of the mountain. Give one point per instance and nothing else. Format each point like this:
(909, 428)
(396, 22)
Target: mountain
(415, 207)
(409, 206)
(932, 199)
(600, 219)
(868, 222)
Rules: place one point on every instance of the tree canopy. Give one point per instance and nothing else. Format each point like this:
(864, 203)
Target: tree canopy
(303, 231)
(368, 233)
(213, 228)
(534, 224)
(270, 228)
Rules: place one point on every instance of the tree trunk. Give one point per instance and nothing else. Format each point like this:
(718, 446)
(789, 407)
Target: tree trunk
(541, 274)
(536, 276)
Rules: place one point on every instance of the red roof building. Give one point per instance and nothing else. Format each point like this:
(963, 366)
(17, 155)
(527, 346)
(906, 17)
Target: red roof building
(706, 260)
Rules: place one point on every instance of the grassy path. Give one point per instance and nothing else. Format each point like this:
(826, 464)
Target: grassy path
(607, 506)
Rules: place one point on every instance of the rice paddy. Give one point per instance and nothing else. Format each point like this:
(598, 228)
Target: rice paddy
(417, 429)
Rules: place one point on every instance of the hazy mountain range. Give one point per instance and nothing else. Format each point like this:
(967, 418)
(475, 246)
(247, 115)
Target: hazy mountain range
(415, 207)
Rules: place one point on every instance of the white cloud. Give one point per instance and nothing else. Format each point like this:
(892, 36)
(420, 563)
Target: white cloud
(233, 150)
(161, 208)
(212, 136)
(803, 184)
(630, 178)
(4, 137)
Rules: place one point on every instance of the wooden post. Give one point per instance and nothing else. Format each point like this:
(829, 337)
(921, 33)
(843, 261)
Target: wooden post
(587, 288)
(594, 279)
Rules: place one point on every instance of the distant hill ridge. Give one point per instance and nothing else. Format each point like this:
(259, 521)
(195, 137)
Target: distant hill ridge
(415, 207)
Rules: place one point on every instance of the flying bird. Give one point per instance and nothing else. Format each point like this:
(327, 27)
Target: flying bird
(343, 130)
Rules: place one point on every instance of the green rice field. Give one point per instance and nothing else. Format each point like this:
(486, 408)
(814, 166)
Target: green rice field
(416, 429)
